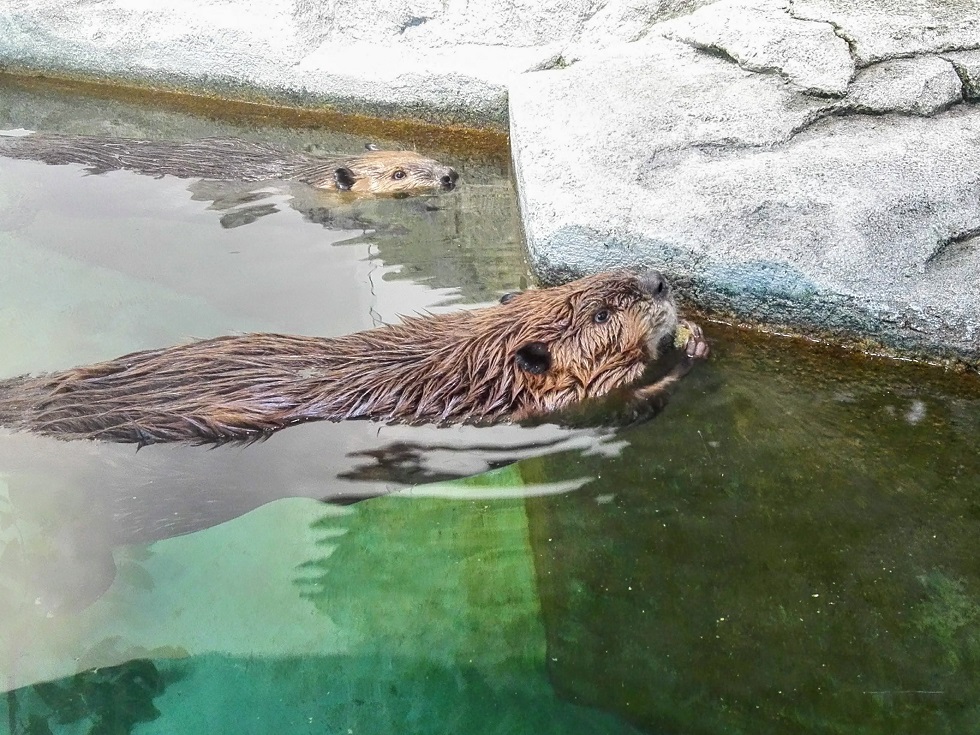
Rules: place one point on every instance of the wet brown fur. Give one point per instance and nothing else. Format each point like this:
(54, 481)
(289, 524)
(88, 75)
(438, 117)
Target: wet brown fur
(387, 173)
(390, 173)
(539, 352)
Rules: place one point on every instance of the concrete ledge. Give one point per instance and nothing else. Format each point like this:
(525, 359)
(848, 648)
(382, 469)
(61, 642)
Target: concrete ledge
(416, 60)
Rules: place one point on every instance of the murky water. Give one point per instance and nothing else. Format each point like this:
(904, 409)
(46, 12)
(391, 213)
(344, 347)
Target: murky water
(789, 547)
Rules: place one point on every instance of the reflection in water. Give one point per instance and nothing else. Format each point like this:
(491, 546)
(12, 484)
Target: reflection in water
(409, 462)
(82, 499)
(468, 240)
(224, 695)
(230, 169)
(240, 203)
(792, 549)
(390, 616)
(103, 700)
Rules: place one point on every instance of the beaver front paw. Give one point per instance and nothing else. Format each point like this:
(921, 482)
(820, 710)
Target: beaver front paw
(690, 336)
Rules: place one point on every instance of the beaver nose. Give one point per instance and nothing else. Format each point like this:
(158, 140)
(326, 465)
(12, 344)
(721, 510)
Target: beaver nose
(449, 180)
(654, 283)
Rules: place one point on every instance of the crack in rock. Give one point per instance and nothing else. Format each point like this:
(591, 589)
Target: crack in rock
(880, 30)
(924, 85)
(945, 248)
(763, 36)
(966, 64)
(667, 158)
(834, 26)
(966, 87)
(940, 52)
(719, 52)
(670, 157)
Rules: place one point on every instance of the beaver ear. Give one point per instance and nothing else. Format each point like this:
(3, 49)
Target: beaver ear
(344, 178)
(534, 358)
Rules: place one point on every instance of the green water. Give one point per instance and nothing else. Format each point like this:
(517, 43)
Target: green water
(789, 547)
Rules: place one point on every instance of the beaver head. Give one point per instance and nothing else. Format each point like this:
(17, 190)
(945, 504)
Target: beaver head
(539, 351)
(387, 173)
(561, 345)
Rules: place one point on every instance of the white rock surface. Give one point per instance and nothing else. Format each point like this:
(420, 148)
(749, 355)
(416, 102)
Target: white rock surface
(761, 35)
(755, 201)
(919, 86)
(967, 65)
(886, 29)
(615, 22)
(414, 58)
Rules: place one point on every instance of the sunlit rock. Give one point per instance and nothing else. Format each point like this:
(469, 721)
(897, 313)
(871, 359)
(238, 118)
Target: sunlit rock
(919, 86)
(762, 35)
(885, 29)
(967, 65)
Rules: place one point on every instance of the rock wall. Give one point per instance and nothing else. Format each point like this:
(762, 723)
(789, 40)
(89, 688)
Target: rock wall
(446, 61)
(811, 165)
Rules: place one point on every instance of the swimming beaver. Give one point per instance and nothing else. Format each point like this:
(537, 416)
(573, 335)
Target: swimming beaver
(371, 172)
(536, 352)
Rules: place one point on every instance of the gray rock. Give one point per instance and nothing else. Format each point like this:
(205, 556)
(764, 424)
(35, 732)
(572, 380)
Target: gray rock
(561, 119)
(414, 58)
(919, 86)
(884, 29)
(761, 35)
(967, 65)
(755, 201)
(621, 21)
(435, 23)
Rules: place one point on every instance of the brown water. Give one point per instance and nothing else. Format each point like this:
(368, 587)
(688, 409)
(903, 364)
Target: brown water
(789, 547)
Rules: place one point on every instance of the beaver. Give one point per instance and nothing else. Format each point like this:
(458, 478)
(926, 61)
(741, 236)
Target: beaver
(539, 352)
(373, 171)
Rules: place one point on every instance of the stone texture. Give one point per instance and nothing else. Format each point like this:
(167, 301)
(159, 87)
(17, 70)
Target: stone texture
(854, 225)
(918, 86)
(435, 23)
(884, 29)
(761, 35)
(608, 144)
(967, 65)
(410, 59)
(617, 22)
(445, 62)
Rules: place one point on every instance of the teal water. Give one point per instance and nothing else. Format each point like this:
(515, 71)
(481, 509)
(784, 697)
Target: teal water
(789, 547)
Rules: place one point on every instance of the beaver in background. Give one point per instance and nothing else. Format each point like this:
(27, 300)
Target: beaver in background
(535, 353)
(374, 172)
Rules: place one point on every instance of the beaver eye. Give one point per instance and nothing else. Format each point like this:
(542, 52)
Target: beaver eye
(601, 316)
(399, 174)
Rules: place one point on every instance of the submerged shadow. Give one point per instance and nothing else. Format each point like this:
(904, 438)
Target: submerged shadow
(82, 499)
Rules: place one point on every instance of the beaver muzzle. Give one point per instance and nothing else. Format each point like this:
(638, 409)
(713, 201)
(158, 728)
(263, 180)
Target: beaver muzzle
(654, 283)
(661, 311)
(449, 179)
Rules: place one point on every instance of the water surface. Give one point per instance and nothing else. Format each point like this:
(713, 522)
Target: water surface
(789, 547)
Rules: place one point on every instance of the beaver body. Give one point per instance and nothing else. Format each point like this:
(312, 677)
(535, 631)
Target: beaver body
(231, 159)
(537, 352)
